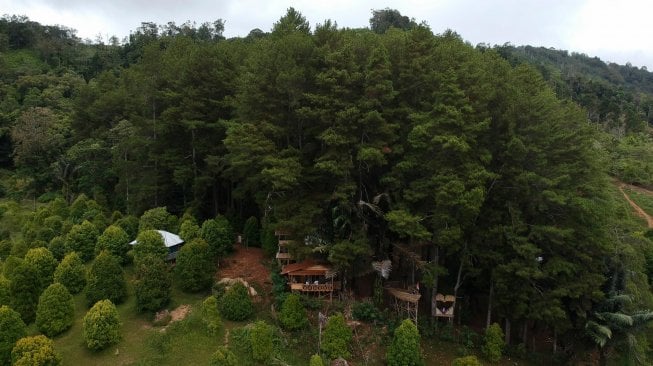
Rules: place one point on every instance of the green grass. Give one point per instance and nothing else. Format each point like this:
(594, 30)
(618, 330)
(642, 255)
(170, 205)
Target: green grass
(642, 200)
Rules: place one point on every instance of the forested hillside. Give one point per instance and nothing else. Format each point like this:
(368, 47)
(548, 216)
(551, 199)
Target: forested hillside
(483, 172)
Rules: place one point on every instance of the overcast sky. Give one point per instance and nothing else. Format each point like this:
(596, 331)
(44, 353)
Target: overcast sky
(615, 30)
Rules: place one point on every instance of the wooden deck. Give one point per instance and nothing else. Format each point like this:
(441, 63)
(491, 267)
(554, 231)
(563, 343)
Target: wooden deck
(322, 287)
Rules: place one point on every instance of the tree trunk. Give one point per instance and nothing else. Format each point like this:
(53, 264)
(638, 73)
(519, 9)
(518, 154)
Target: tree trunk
(555, 340)
(525, 334)
(436, 259)
(508, 331)
(488, 318)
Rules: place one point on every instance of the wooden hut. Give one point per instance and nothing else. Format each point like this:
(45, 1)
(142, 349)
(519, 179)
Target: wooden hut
(311, 277)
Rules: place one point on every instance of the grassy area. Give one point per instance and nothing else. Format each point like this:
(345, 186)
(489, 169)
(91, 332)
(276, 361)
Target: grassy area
(642, 200)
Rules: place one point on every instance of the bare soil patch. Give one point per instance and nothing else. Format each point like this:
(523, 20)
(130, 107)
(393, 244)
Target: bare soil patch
(640, 212)
(248, 264)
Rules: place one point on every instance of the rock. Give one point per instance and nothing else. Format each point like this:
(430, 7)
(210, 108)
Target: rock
(252, 292)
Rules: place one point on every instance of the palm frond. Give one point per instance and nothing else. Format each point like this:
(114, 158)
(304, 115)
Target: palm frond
(600, 334)
(383, 268)
(619, 319)
(642, 317)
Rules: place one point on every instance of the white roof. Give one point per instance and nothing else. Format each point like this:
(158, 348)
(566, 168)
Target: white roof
(169, 239)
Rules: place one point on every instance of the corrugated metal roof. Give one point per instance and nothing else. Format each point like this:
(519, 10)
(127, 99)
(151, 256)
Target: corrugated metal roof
(169, 239)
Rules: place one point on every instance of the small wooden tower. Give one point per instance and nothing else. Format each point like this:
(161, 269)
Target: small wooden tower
(406, 301)
(283, 257)
(444, 306)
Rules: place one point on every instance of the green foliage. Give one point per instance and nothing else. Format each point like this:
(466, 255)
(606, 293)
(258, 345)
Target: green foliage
(405, 348)
(189, 230)
(56, 310)
(466, 361)
(365, 311)
(219, 235)
(261, 336)
(316, 360)
(293, 315)
(81, 239)
(494, 343)
(115, 240)
(251, 231)
(158, 219)
(71, 273)
(236, 304)
(194, 268)
(149, 243)
(223, 357)
(129, 224)
(336, 337)
(153, 284)
(35, 351)
(12, 328)
(57, 247)
(25, 291)
(5, 291)
(45, 264)
(5, 248)
(106, 280)
(211, 315)
(101, 326)
(269, 241)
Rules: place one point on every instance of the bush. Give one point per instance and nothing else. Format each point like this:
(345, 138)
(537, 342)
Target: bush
(466, 361)
(405, 347)
(71, 273)
(115, 240)
(81, 239)
(129, 224)
(493, 346)
(189, 230)
(35, 351)
(365, 311)
(261, 339)
(223, 357)
(106, 280)
(235, 304)
(251, 231)
(316, 360)
(219, 235)
(293, 315)
(101, 326)
(45, 264)
(158, 219)
(149, 243)
(336, 337)
(12, 328)
(5, 248)
(153, 284)
(194, 268)
(56, 310)
(24, 291)
(211, 315)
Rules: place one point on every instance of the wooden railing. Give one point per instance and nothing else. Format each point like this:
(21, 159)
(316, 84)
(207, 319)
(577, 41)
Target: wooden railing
(322, 287)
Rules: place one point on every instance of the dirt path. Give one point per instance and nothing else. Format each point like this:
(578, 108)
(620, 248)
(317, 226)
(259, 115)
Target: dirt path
(639, 210)
(248, 264)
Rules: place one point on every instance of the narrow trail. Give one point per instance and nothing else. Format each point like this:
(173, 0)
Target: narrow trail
(639, 210)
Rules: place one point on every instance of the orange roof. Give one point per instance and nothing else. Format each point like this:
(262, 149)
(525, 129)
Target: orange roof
(305, 268)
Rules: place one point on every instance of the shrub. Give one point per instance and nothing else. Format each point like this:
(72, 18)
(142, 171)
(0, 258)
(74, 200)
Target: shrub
(129, 224)
(71, 273)
(194, 268)
(149, 243)
(153, 284)
(56, 311)
(235, 304)
(336, 337)
(251, 231)
(158, 218)
(293, 315)
(261, 339)
(405, 348)
(316, 360)
(58, 248)
(211, 315)
(5, 248)
(115, 240)
(35, 351)
(365, 311)
(12, 328)
(5, 291)
(493, 346)
(466, 361)
(106, 280)
(24, 291)
(223, 357)
(101, 326)
(218, 235)
(81, 239)
(45, 264)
